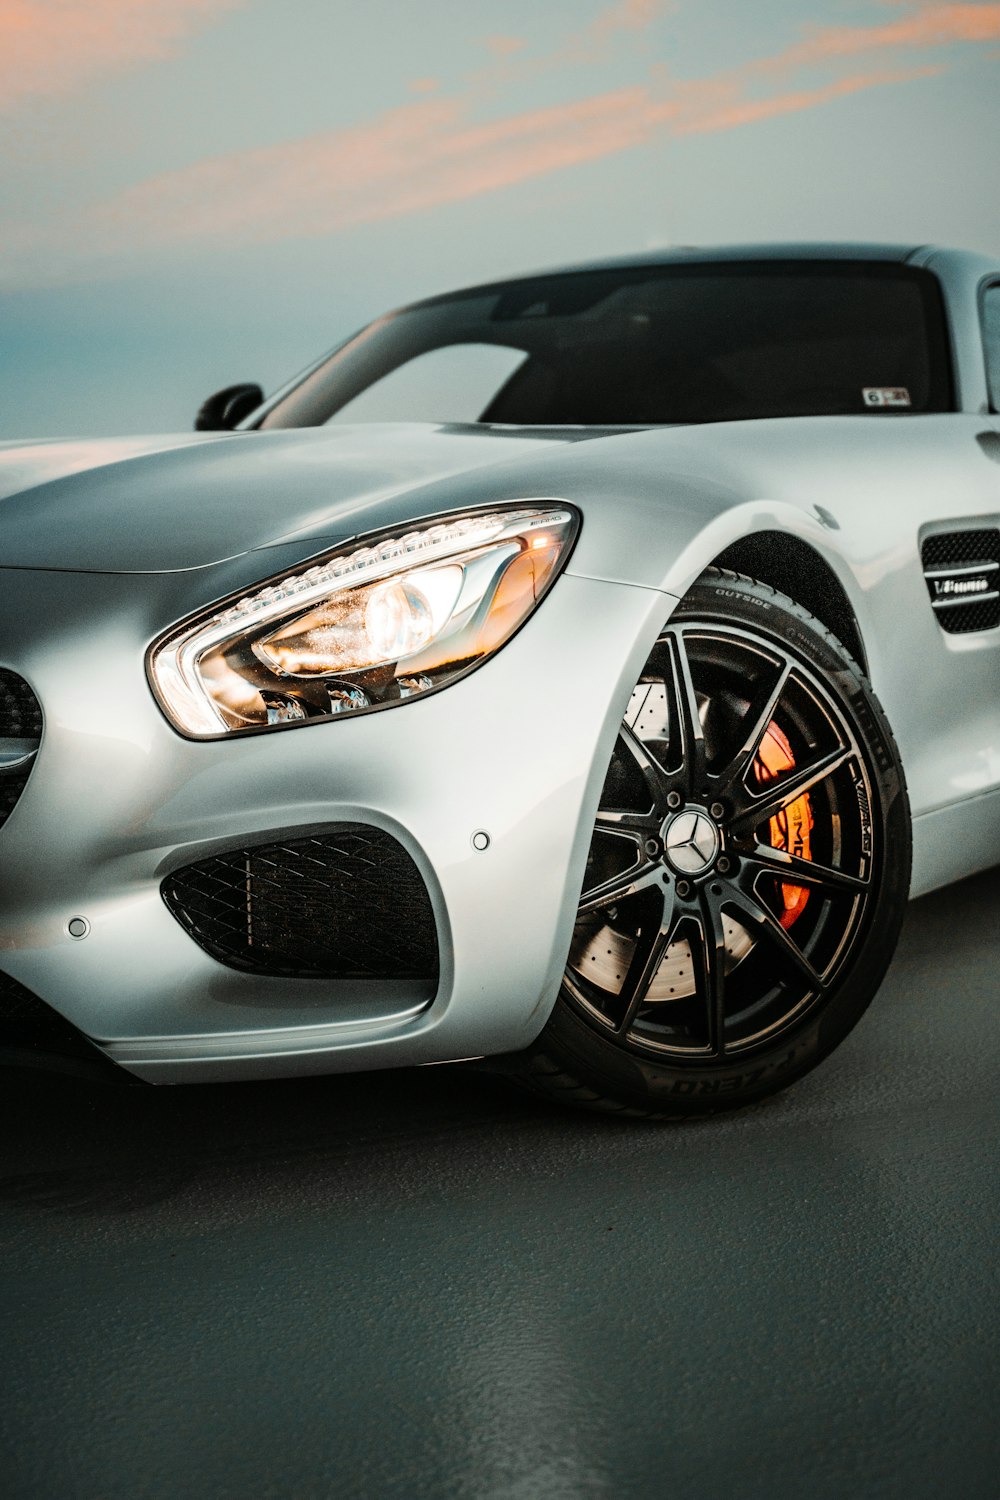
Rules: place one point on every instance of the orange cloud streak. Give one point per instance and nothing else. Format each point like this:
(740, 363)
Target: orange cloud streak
(423, 155)
(49, 47)
(413, 157)
(783, 104)
(931, 26)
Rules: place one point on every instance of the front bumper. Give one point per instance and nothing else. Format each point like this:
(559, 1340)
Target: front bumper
(117, 801)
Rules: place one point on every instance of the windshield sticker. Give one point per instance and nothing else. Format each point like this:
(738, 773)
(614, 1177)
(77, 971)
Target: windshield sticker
(886, 395)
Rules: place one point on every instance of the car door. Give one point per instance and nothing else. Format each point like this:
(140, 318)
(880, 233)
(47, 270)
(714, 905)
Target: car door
(958, 765)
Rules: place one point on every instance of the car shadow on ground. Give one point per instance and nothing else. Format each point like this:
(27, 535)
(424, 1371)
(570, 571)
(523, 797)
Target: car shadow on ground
(79, 1149)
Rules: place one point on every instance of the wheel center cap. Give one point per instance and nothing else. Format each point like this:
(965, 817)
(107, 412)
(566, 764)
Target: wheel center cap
(691, 842)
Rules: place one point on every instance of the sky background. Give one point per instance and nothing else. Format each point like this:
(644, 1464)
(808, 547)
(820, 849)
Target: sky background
(196, 192)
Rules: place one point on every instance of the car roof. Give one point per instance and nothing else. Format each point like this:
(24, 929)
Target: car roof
(691, 255)
(783, 250)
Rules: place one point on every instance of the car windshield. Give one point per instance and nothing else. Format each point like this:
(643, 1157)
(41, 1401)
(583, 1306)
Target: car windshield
(707, 342)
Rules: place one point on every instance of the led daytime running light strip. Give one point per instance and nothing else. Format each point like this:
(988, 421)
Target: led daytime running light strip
(441, 540)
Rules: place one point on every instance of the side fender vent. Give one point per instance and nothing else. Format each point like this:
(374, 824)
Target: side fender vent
(962, 569)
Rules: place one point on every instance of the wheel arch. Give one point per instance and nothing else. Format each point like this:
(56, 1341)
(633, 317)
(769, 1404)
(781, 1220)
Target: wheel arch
(794, 568)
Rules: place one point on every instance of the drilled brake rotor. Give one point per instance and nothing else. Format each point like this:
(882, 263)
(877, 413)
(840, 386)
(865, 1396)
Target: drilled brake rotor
(604, 960)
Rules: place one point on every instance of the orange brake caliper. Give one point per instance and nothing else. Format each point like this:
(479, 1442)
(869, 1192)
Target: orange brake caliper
(789, 829)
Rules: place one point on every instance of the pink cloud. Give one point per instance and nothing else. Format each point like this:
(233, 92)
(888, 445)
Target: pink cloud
(512, 60)
(50, 47)
(433, 151)
(505, 46)
(628, 15)
(594, 41)
(423, 155)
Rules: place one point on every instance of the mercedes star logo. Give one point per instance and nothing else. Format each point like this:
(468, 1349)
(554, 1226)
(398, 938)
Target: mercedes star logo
(691, 842)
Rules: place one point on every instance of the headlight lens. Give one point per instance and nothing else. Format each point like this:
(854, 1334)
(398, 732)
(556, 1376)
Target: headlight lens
(365, 628)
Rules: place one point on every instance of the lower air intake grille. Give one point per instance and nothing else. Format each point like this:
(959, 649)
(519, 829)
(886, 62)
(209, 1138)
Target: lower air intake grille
(20, 735)
(349, 903)
(962, 569)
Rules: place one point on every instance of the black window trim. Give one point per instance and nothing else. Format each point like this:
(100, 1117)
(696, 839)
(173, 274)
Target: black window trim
(989, 282)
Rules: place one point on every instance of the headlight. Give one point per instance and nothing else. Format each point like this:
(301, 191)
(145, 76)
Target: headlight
(365, 628)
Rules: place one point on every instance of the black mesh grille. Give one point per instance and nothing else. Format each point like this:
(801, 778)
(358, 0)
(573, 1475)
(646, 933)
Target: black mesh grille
(349, 903)
(20, 719)
(965, 549)
(961, 619)
(961, 547)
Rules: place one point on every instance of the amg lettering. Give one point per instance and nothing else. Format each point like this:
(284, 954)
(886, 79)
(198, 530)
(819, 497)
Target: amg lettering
(864, 811)
(945, 586)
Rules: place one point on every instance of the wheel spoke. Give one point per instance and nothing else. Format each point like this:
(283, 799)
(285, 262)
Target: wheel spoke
(652, 772)
(633, 826)
(736, 771)
(645, 962)
(685, 712)
(799, 871)
(619, 887)
(760, 810)
(770, 928)
(711, 974)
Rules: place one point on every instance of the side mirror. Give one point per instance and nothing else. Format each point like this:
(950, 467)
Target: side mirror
(227, 408)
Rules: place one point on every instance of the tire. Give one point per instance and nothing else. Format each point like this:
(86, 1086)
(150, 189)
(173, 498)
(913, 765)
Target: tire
(748, 872)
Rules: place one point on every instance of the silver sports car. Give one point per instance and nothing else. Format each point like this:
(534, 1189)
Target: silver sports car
(621, 605)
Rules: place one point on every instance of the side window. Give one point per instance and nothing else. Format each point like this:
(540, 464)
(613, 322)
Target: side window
(453, 384)
(991, 343)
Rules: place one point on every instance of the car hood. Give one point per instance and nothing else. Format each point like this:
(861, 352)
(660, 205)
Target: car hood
(166, 504)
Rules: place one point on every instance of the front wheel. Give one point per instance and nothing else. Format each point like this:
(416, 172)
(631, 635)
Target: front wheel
(748, 871)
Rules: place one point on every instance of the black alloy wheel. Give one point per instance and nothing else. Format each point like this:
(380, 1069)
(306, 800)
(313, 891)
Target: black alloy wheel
(748, 870)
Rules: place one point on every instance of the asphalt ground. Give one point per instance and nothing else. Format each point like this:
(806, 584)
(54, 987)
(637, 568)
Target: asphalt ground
(420, 1283)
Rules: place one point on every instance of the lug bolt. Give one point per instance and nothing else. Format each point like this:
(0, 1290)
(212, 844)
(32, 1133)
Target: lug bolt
(683, 889)
(724, 865)
(717, 811)
(674, 799)
(652, 847)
